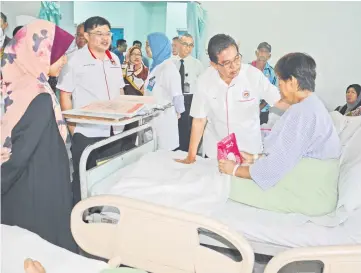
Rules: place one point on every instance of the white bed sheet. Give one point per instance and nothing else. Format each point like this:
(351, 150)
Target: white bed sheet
(287, 230)
(18, 244)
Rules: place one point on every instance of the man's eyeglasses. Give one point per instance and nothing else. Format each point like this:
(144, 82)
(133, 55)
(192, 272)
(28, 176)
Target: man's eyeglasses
(186, 44)
(237, 60)
(102, 34)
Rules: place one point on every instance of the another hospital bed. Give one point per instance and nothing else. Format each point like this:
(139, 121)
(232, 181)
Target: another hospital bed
(156, 239)
(269, 233)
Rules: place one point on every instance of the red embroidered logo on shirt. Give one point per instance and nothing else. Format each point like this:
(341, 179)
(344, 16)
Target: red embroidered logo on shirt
(245, 94)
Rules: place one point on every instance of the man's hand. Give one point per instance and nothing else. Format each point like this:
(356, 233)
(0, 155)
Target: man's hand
(226, 166)
(179, 116)
(187, 160)
(247, 158)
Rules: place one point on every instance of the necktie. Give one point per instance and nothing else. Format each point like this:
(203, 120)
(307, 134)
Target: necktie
(182, 74)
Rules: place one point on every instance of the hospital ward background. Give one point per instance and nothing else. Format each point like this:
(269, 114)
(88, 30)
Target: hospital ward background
(180, 136)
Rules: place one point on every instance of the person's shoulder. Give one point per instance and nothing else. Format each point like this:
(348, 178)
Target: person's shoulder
(311, 106)
(78, 56)
(251, 70)
(168, 67)
(207, 79)
(209, 72)
(270, 67)
(115, 57)
(252, 73)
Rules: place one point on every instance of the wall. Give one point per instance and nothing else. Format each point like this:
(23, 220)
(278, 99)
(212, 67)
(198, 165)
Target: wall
(158, 14)
(137, 18)
(176, 18)
(12, 9)
(328, 31)
(32, 8)
(119, 14)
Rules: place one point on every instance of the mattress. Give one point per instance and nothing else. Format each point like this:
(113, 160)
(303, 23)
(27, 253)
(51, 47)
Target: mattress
(279, 229)
(258, 226)
(289, 230)
(18, 244)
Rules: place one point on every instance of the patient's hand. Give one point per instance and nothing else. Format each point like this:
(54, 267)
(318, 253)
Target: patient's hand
(226, 166)
(188, 160)
(31, 266)
(247, 158)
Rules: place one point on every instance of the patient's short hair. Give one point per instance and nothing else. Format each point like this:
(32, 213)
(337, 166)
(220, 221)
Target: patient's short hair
(298, 65)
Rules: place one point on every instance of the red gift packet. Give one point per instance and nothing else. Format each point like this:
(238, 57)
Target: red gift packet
(228, 149)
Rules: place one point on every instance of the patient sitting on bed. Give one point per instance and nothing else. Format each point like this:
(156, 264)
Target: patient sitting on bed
(305, 131)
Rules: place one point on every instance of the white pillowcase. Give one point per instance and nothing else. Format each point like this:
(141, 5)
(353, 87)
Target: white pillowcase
(349, 129)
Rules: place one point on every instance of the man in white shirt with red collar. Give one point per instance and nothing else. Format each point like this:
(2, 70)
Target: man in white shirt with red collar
(227, 101)
(93, 73)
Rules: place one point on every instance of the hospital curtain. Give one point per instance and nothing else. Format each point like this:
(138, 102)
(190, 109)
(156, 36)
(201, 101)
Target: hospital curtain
(50, 11)
(196, 26)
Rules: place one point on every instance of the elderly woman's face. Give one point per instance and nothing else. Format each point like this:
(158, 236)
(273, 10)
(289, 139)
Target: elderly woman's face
(288, 90)
(136, 56)
(351, 95)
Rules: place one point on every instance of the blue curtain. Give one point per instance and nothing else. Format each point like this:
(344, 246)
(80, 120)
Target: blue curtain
(50, 11)
(196, 26)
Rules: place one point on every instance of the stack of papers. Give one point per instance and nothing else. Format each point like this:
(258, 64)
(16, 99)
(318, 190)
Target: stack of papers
(111, 110)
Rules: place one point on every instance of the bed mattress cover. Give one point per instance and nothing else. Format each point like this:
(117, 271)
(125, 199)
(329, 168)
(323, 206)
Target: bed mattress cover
(258, 225)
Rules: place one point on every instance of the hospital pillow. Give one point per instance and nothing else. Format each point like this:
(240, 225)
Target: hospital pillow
(350, 165)
(310, 189)
(339, 121)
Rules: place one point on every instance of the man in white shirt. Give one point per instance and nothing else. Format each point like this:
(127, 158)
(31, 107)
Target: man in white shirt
(175, 48)
(190, 69)
(227, 101)
(80, 38)
(93, 73)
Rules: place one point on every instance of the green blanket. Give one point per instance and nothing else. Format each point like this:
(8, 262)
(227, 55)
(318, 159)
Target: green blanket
(310, 189)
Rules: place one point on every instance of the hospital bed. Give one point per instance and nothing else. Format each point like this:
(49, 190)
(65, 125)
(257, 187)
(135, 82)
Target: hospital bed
(269, 233)
(147, 237)
(158, 240)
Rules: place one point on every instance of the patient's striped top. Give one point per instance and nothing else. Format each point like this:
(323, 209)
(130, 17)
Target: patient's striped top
(305, 130)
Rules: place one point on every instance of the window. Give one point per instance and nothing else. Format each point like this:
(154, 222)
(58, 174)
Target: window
(118, 33)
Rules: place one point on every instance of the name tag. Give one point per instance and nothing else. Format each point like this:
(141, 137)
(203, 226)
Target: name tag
(151, 84)
(187, 88)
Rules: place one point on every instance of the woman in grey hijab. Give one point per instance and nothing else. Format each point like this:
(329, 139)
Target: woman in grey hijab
(353, 101)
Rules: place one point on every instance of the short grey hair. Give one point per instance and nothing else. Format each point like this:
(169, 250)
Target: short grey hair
(187, 35)
(80, 25)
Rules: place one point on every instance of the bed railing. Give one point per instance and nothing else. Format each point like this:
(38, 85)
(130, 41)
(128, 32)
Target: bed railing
(335, 259)
(156, 239)
(99, 173)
